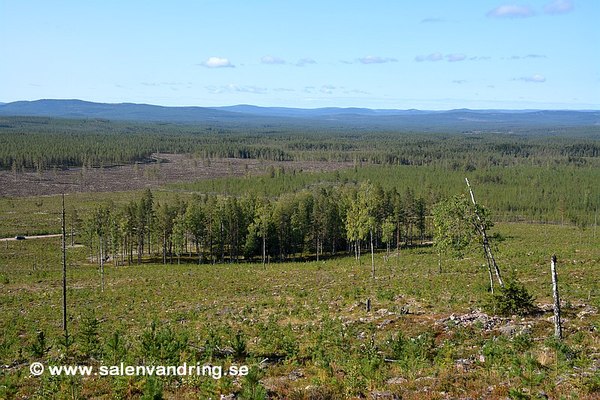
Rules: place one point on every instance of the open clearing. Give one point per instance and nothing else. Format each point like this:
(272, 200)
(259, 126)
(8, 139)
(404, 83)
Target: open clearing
(173, 168)
(304, 328)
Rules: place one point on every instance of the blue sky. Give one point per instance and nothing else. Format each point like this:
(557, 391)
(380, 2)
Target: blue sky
(380, 54)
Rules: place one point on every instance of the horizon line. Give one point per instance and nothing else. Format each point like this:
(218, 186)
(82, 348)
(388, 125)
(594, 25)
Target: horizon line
(303, 108)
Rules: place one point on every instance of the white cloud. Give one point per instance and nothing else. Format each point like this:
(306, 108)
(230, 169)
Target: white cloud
(511, 11)
(305, 61)
(217, 62)
(430, 57)
(376, 60)
(559, 7)
(536, 78)
(272, 60)
(456, 57)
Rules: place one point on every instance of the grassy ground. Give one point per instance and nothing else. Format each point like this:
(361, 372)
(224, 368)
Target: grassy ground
(303, 328)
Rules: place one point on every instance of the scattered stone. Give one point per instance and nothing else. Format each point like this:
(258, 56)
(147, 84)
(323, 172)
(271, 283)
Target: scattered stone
(295, 375)
(385, 394)
(546, 307)
(475, 317)
(398, 380)
(508, 329)
(463, 364)
(587, 311)
(384, 323)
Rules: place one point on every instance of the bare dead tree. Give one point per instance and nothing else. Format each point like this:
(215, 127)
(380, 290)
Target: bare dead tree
(557, 319)
(101, 264)
(489, 255)
(372, 256)
(64, 267)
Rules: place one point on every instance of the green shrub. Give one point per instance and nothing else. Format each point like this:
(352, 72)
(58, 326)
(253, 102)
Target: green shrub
(591, 384)
(152, 390)
(412, 353)
(89, 337)
(251, 386)
(239, 346)
(39, 348)
(512, 299)
(162, 345)
(115, 347)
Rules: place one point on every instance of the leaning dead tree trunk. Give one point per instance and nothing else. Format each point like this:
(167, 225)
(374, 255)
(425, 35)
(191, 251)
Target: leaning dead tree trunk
(491, 261)
(557, 320)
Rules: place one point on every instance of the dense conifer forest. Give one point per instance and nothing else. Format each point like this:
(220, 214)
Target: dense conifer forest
(40, 143)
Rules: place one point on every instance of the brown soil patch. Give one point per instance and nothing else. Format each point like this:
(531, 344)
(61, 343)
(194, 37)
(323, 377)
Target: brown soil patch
(167, 168)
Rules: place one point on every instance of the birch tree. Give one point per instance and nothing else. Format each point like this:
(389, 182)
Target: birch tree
(457, 226)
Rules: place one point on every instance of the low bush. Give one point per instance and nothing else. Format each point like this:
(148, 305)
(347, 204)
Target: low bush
(512, 299)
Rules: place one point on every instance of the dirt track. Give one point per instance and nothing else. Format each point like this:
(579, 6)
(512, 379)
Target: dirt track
(175, 168)
(32, 237)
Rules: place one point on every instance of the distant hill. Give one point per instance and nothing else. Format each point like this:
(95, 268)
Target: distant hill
(123, 111)
(314, 112)
(462, 119)
(415, 118)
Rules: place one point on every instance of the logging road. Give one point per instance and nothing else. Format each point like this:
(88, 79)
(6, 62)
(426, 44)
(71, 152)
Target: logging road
(32, 237)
